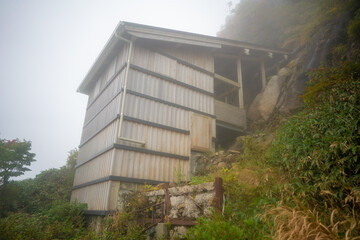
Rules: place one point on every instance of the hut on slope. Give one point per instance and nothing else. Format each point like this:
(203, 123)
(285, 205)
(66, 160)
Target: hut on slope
(156, 97)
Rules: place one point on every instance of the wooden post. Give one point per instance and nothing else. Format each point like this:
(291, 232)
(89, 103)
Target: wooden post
(219, 192)
(167, 202)
(263, 75)
(241, 94)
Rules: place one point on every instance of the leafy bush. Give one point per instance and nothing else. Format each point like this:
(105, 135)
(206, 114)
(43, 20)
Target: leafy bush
(214, 229)
(320, 146)
(63, 221)
(23, 226)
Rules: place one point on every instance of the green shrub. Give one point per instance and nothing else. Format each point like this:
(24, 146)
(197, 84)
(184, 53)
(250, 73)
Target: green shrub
(319, 147)
(214, 229)
(23, 226)
(65, 219)
(62, 221)
(354, 27)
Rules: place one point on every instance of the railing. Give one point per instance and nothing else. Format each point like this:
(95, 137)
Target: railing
(159, 212)
(151, 215)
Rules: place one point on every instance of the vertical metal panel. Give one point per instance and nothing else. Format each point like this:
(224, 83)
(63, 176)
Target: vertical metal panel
(154, 61)
(194, 77)
(97, 168)
(96, 196)
(156, 112)
(105, 97)
(122, 56)
(113, 196)
(171, 92)
(157, 139)
(101, 141)
(147, 166)
(194, 56)
(103, 118)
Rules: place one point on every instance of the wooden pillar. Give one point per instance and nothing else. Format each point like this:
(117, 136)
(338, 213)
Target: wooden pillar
(263, 75)
(219, 192)
(241, 94)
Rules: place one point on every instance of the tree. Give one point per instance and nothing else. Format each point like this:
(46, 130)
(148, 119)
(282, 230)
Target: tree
(15, 155)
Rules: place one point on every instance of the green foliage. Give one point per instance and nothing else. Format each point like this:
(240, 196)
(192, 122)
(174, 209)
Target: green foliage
(15, 155)
(215, 229)
(200, 179)
(122, 226)
(354, 27)
(319, 147)
(51, 185)
(64, 221)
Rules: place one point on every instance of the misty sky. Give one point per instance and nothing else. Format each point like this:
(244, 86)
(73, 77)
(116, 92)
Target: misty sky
(47, 47)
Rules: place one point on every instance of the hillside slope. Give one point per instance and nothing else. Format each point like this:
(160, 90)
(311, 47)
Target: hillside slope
(298, 177)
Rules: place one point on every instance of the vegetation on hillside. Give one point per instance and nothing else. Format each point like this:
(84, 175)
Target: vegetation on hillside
(308, 177)
(305, 184)
(39, 208)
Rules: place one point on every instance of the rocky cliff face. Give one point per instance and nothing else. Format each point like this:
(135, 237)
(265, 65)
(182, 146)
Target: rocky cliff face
(282, 94)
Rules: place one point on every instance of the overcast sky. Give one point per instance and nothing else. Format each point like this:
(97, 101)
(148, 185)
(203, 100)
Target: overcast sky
(47, 47)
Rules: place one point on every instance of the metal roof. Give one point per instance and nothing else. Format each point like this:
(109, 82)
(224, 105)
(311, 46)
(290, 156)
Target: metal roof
(128, 30)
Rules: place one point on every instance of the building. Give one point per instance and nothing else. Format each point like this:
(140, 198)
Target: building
(157, 97)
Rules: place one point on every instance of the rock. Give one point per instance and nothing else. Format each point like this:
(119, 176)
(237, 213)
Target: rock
(191, 210)
(205, 199)
(238, 146)
(265, 102)
(222, 165)
(178, 232)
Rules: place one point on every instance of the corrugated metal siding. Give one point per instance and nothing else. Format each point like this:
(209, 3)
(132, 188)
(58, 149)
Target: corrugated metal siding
(114, 194)
(103, 118)
(157, 139)
(114, 66)
(98, 143)
(156, 112)
(194, 56)
(159, 63)
(147, 166)
(194, 78)
(122, 56)
(171, 92)
(102, 110)
(96, 196)
(154, 62)
(105, 97)
(97, 168)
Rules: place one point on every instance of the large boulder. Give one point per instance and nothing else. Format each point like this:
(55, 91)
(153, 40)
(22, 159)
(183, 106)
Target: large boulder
(265, 102)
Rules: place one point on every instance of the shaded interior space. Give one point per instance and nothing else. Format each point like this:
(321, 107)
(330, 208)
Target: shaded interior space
(226, 81)
(226, 67)
(226, 93)
(225, 137)
(252, 81)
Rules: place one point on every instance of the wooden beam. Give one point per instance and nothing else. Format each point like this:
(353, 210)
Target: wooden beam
(227, 80)
(263, 76)
(240, 82)
(226, 93)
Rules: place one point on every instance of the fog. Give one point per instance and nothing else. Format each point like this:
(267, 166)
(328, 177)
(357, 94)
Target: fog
(48, 46)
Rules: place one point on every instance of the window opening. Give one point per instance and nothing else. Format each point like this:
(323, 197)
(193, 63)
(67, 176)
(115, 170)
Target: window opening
(226, 87)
